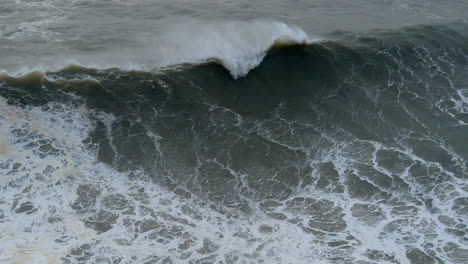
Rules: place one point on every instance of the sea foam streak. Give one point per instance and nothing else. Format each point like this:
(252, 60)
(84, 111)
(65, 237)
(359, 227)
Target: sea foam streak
(238, 46)
(46, 193)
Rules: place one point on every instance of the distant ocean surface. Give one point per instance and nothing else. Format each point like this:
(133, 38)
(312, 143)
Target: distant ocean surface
(138, 131)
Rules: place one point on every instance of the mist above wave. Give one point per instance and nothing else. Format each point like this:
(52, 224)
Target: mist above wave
(239, 46)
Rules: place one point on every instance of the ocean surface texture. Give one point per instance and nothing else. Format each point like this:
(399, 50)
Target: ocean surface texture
(234, 131)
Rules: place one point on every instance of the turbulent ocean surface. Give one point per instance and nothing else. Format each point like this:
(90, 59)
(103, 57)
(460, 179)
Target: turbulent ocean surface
(138, 131)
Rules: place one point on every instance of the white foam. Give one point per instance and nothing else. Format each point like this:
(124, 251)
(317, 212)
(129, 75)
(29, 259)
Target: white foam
(238, 46)
(50, 182)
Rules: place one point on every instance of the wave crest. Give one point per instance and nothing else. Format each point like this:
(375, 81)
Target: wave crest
(238, 46)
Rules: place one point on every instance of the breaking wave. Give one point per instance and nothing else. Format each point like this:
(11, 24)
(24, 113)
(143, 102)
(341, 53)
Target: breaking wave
(340, 151)
(238, 46)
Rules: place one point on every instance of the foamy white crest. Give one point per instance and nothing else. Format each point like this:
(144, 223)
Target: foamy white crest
(238, 46)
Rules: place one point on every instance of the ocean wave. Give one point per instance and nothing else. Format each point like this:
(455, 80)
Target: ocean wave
(354, 145)
(238, 46)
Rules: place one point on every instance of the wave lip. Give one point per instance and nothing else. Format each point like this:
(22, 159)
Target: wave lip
(241, 51)
(238, 46)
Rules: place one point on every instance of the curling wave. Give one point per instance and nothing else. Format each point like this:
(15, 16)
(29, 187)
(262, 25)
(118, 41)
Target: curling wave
(345, 151)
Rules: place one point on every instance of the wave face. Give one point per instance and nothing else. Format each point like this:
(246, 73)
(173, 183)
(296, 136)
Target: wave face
(351, 150)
